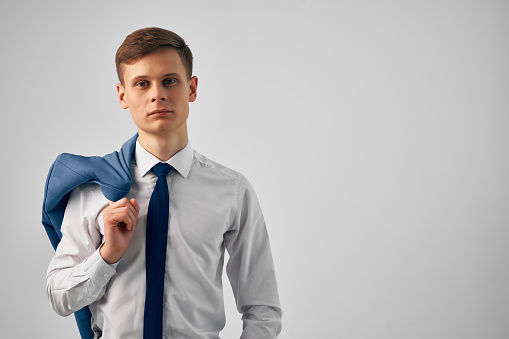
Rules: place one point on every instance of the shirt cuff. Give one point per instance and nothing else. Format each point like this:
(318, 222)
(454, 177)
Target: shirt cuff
(98, 270)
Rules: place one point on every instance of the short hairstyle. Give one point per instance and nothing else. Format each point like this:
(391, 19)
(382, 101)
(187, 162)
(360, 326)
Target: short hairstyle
(147, 40)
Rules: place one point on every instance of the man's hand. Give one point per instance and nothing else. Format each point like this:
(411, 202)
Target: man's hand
(119, 225)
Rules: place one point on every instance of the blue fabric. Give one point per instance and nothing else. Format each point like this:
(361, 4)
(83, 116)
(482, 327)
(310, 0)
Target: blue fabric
(155, 258)
(111, 172)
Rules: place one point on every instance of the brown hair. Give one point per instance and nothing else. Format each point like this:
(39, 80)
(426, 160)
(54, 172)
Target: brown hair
(145, 41)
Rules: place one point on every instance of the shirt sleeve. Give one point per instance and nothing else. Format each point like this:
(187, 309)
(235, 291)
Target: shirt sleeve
(77, 275)
(251, 268)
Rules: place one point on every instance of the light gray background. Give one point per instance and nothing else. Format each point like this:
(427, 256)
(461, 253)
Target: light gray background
(375, 134)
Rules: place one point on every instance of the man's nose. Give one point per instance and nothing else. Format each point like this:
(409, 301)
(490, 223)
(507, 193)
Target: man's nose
(158, 93)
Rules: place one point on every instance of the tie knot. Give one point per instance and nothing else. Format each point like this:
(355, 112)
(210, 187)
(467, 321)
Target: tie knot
(162, 169)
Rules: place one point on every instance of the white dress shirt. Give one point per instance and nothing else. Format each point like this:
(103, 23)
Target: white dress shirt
(211, 208)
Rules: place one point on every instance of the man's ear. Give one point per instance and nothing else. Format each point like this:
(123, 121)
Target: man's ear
(193, 88)
(121, 96)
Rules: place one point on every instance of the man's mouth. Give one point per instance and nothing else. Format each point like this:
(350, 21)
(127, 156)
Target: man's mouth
(160, 112)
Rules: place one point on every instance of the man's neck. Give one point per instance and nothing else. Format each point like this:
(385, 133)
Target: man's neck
(162, 147)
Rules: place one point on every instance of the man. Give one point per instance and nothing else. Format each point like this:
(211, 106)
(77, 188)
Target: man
(105, 257)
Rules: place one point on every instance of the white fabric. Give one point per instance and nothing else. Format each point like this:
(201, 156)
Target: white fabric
(211, 208)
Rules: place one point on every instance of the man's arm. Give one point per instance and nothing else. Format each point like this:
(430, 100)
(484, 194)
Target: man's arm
(78, 275)
(251, 269)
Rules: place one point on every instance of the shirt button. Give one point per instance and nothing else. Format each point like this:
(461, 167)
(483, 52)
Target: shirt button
(88, 299)
(106, 275)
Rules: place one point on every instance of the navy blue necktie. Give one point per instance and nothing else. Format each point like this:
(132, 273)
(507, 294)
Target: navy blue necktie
(157, 235)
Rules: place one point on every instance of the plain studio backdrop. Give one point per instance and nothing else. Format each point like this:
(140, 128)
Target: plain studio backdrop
(376, 135)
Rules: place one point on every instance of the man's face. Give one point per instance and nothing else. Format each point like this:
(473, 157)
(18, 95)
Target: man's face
(157, 93)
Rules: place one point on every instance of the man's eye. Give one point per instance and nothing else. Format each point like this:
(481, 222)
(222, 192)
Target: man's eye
(141, 83)
(169, 81)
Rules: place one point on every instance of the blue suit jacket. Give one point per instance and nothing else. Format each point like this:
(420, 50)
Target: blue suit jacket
(111, 172)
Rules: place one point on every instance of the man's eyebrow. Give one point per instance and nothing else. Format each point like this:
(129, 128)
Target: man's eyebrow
(174, 74)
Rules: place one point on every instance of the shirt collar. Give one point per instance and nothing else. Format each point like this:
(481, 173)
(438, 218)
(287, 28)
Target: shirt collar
(181, 161)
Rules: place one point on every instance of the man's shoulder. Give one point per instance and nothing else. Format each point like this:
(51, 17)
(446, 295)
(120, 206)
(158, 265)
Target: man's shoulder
(89, 189)
(212, 166)
(89, 194)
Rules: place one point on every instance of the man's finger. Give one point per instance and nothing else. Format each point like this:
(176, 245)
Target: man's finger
(122, 214)
(135, 205)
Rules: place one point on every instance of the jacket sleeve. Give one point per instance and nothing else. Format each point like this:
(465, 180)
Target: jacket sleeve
(250, 268)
